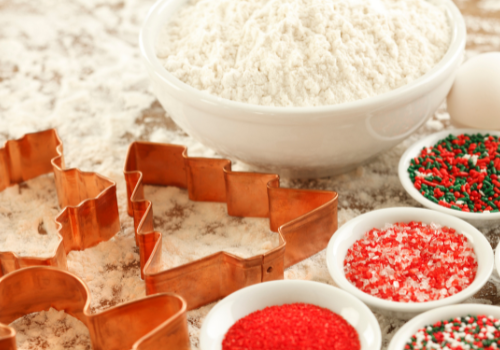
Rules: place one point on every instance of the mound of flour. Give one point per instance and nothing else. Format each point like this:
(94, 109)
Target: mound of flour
(303, 52)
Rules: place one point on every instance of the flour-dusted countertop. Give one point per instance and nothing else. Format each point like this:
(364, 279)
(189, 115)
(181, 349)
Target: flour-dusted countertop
(75, 66)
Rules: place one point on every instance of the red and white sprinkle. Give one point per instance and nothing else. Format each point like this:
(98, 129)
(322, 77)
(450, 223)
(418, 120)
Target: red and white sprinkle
(411, 262)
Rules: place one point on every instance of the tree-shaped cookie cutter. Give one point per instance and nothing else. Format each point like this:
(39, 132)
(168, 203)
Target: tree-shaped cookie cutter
(305, 220)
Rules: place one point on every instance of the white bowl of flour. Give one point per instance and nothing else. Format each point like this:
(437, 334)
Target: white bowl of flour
(303, 88)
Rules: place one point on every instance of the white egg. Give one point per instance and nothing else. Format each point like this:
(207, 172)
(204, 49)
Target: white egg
(474, 100)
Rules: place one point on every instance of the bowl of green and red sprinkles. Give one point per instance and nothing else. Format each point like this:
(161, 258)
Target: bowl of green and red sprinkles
(456, 172)
(291, 315)
(457, 327)
(405, 261)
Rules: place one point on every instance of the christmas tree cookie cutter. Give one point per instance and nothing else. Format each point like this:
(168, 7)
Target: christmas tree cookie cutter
(305, 220)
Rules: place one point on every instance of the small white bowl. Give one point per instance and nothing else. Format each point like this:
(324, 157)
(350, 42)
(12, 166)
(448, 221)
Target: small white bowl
(301, 141)
(257, 297)
(353, 230)
(402, 336)
(497, 258)
(414, 150)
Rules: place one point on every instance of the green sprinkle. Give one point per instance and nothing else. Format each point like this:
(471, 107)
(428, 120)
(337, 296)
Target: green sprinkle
(473, 146)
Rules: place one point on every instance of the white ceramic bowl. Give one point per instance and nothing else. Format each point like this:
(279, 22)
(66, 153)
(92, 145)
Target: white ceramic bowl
(497, 258)
(353, 230)
(259, 296)
(402, 336)
(414, 150)
(305, 141)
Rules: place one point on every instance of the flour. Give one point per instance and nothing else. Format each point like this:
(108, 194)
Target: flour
(192, 230)
(303, 52)
(27, 212)
(51, 329)
(489, 5)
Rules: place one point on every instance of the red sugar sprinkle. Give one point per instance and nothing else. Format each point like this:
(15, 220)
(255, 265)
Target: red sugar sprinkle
(411, 262)
(292, 327)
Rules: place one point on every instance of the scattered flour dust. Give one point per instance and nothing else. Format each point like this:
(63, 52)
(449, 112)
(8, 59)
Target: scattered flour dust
(192, 230)
(489, 5)
(303, 52)
(27, 212)
(110, 270)
(51, 329)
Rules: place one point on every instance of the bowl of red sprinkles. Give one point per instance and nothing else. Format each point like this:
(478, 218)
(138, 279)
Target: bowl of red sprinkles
(456, 172)
(404, 261)
(456, 327)
(291, 315)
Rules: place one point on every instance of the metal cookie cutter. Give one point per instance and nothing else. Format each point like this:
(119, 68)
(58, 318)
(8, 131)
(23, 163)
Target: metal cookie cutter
(90, 213)
(304, 220)
(152, 323)
(90, 216)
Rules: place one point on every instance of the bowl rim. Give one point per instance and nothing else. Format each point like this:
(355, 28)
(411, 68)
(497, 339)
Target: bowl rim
(417, 87)
(359, 305)
(431, 316)
(337, 272)
(413, 151)
(497, 258)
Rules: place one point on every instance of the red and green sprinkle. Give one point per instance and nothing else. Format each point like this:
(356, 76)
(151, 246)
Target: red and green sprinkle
(460, 172)
(296, 326)
(411, 262)
(460, 333)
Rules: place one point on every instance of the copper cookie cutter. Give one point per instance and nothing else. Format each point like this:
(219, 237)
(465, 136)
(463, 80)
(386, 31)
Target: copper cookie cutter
(90, 216)
(90, 207)
(151, 323)
(305, 220)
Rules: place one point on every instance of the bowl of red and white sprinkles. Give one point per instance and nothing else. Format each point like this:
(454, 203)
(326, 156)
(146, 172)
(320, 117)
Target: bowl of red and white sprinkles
(404, 261)
(457, 327)
(456, 172)
(290, 315)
